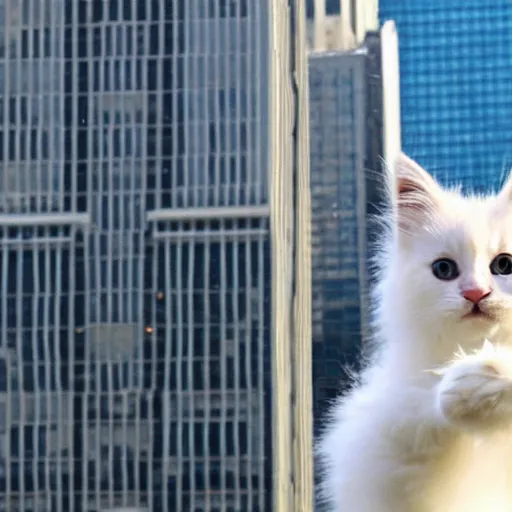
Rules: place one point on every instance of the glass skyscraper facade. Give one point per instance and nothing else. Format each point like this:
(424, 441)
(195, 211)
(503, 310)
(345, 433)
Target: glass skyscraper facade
(455, 77)
(339, 123)
(134, 261)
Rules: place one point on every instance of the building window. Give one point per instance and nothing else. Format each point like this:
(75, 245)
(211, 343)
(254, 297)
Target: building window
(36, 43)
(228, 9)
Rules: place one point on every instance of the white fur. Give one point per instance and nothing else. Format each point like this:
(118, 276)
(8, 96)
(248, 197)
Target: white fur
(428, 427)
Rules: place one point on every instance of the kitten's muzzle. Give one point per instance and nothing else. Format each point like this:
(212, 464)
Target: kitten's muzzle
(475, 310)
(476, 296)
(479, 311)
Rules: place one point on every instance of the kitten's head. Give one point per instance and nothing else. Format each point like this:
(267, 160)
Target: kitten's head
(450, 268)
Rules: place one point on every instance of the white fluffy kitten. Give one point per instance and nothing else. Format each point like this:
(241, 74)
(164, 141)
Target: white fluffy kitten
(429, 426)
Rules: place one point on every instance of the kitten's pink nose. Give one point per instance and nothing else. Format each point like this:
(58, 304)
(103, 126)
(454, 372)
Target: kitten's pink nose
(475, 295)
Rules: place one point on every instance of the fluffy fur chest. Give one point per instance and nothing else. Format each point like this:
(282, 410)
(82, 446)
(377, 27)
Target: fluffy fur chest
(465, 475)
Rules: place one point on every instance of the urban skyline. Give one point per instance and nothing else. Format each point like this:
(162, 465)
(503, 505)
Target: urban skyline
(135, 308)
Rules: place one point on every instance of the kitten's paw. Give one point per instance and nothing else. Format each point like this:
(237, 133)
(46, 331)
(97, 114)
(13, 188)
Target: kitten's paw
(476, 392)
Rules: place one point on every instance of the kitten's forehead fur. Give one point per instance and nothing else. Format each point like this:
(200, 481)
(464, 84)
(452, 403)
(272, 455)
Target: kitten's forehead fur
(430, 222)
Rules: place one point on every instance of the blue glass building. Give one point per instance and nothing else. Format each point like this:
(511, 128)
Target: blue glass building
(456, 87)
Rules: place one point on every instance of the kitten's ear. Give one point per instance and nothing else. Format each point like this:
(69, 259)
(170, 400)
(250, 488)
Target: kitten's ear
(417, 194)
(506, 191)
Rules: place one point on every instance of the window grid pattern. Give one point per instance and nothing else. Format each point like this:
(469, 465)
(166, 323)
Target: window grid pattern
(339, 229)
(455, 87)
(136, 353)
(222, 119)
(33, 173)
(209, 337)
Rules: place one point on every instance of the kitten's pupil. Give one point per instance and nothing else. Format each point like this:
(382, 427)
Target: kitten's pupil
(502, 265)
(445, 269)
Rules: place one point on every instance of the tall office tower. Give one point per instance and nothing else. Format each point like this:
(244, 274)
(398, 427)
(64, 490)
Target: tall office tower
(207, 260)
(455, 79)
(134, 265)
(338, 196)
(346, 142)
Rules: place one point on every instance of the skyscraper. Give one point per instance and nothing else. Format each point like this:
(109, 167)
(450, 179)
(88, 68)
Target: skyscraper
(346, 191)
(135, 272)
(455, 77)
(338, 196)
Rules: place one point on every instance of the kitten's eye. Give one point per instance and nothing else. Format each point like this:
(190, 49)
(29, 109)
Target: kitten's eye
(445, 269)
(501, 265)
